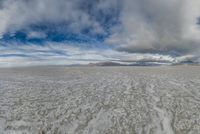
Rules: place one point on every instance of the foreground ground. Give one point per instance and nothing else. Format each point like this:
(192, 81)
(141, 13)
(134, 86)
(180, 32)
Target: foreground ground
(100, 100)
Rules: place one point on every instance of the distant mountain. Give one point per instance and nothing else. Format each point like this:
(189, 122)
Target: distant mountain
(140, 63)
(188, 62)
(106, 64)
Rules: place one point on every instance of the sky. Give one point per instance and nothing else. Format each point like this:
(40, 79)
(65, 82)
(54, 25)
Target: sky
(66, 32)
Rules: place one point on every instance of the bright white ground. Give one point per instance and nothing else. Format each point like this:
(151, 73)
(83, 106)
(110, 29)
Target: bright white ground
(100, 100)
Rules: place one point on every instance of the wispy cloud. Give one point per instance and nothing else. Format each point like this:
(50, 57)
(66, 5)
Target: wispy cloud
(67, 54)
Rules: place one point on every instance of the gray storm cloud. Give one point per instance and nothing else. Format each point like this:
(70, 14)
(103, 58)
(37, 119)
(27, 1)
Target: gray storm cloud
(158, 26)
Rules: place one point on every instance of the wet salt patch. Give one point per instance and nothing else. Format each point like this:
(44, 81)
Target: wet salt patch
(165, 121)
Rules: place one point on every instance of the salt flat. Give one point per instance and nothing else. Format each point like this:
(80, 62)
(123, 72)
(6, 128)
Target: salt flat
(100, 100)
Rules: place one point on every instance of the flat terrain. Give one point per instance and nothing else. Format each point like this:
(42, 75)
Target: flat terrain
(100, 100)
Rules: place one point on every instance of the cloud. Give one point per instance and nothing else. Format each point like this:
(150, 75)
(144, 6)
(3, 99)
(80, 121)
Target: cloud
(66, 54)
(158, 26)
(133, 25)
(136, 30)
(74, 16)
(36, 34)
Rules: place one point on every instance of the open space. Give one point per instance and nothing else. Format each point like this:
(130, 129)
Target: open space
(100, 100)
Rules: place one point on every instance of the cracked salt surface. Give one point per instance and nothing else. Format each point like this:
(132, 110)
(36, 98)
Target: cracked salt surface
(100, 100)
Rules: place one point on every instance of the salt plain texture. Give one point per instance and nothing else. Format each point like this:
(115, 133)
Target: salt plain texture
(100, 100)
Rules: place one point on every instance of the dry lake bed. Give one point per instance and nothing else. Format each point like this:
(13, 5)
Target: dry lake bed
(100, 100)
